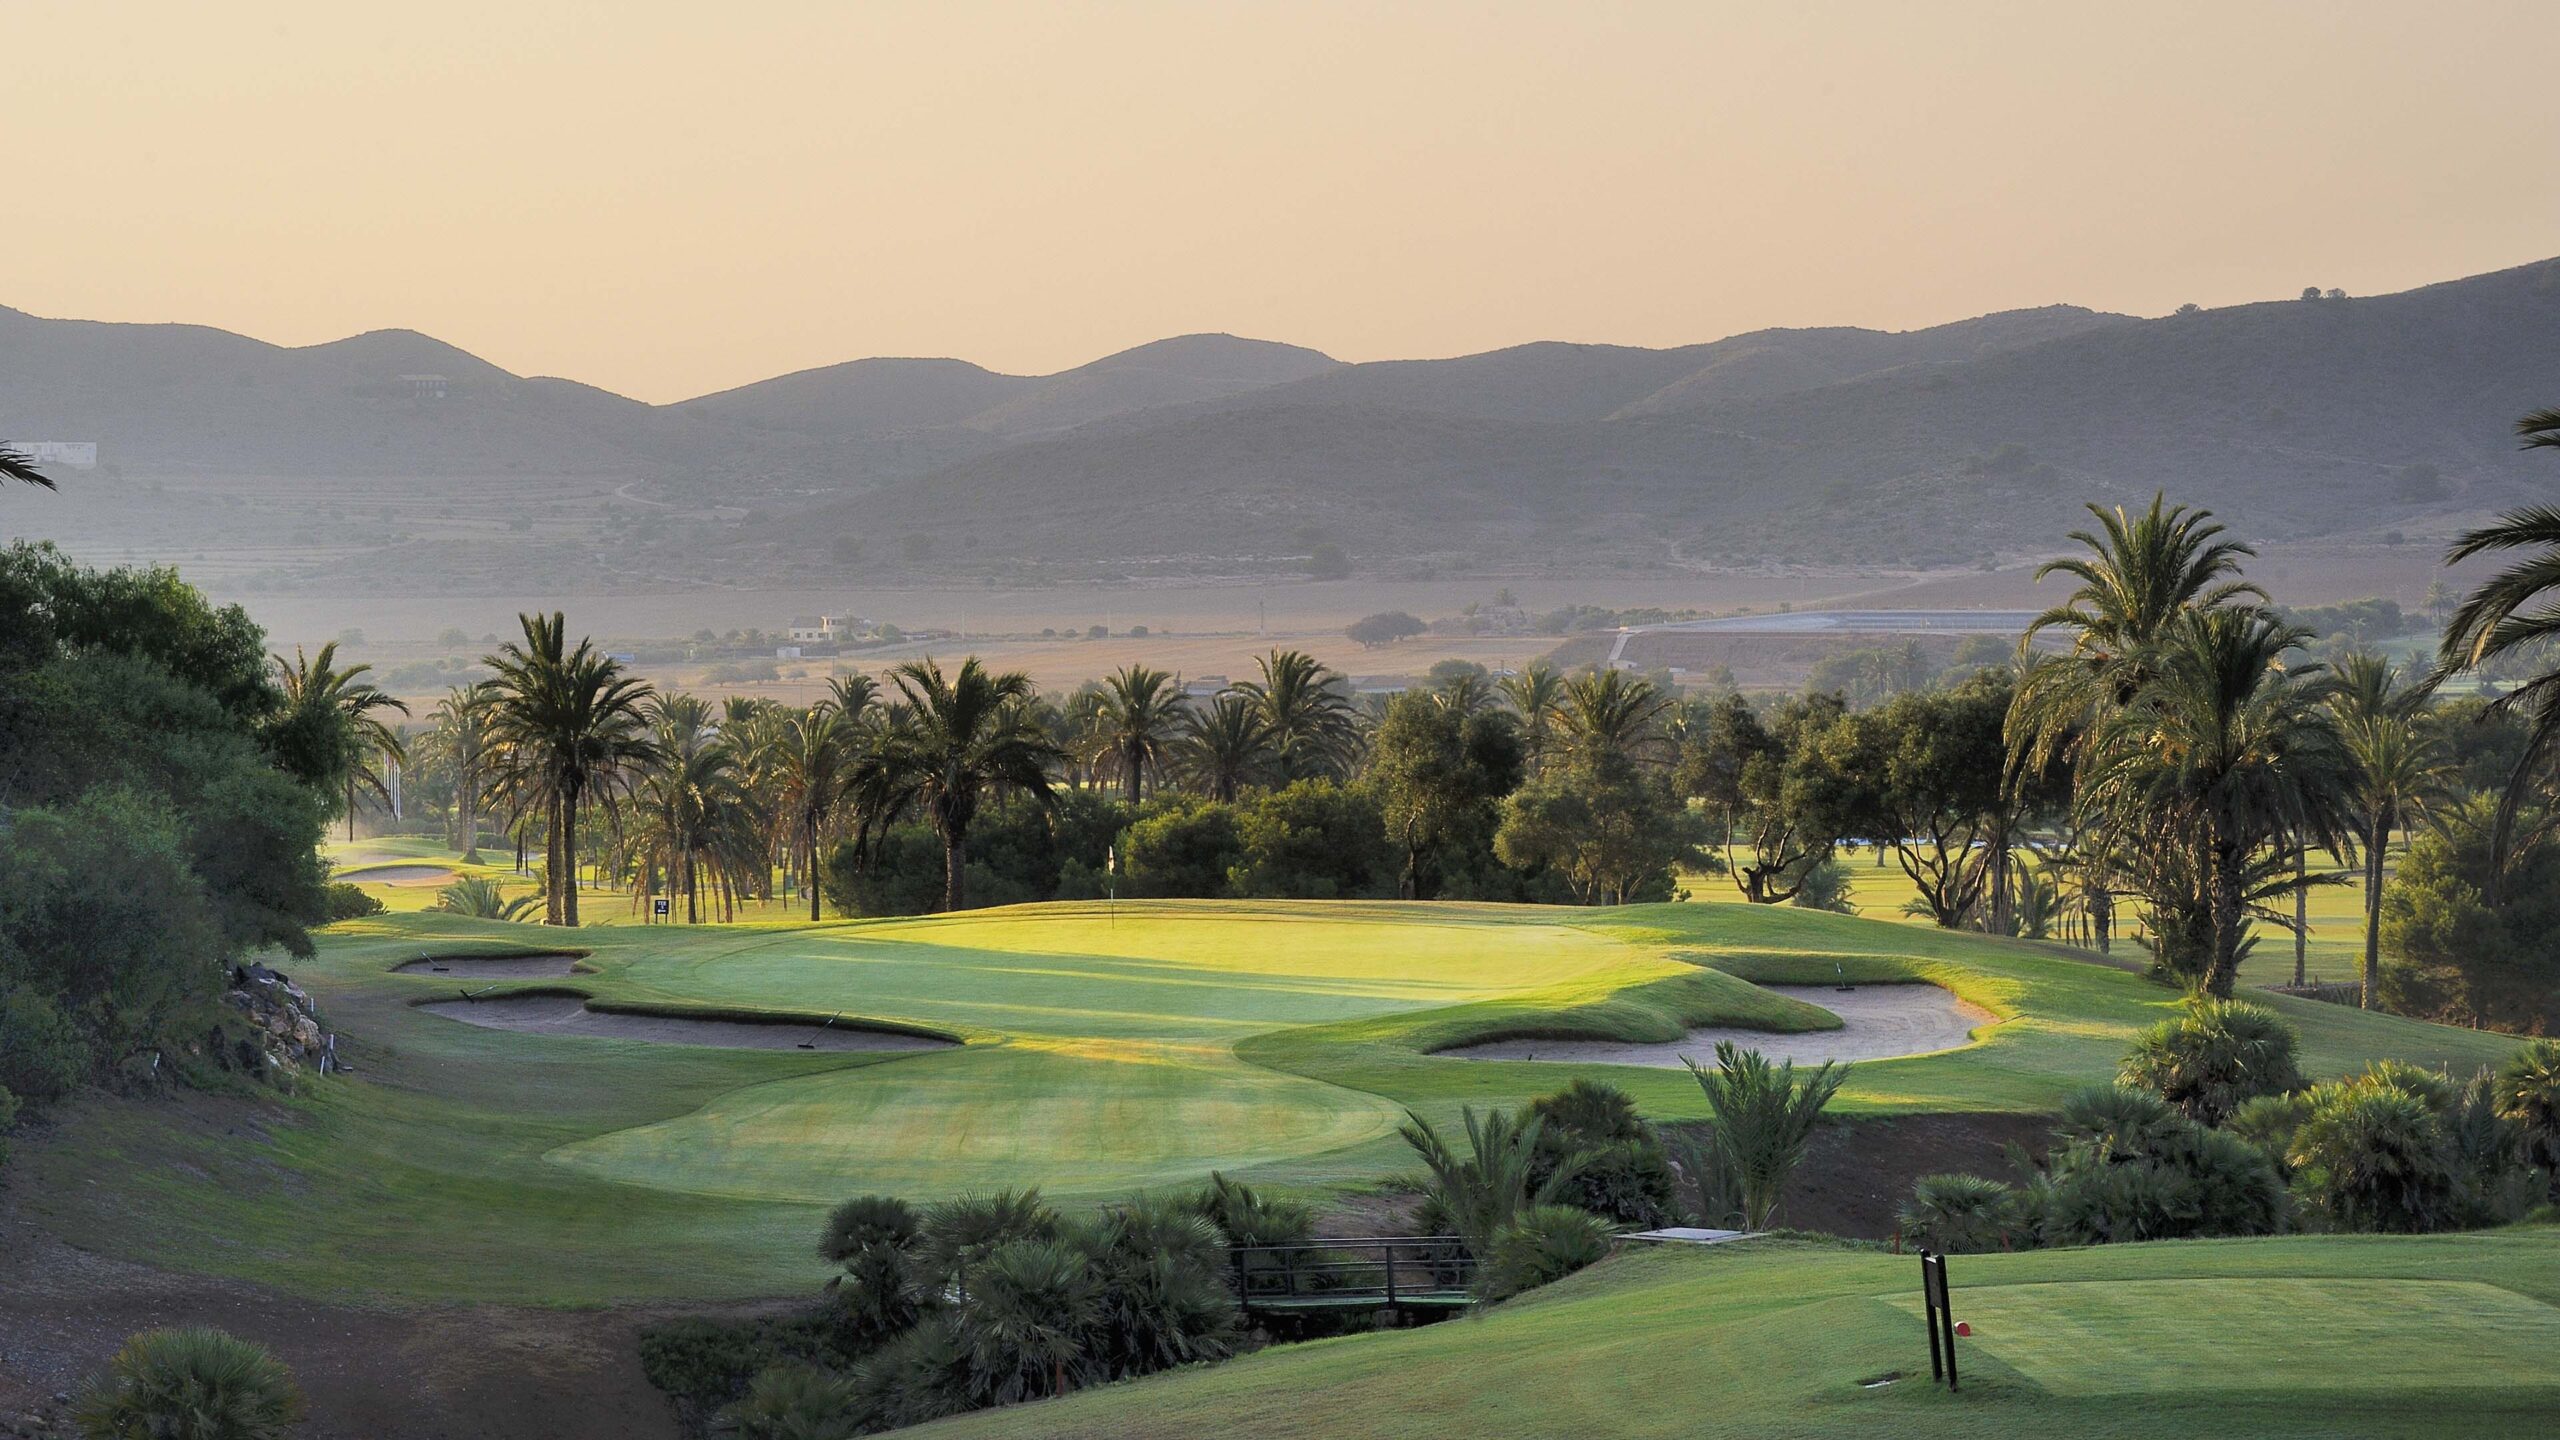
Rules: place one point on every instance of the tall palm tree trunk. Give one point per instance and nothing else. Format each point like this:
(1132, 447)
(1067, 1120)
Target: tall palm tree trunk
(552, 912)
(2229, 918)
(2301, 913)
(809, 874)
(566, 876)
(2377, 835)
(951, 871)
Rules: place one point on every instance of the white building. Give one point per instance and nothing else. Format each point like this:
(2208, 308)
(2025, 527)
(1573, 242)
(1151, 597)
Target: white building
(67, 454)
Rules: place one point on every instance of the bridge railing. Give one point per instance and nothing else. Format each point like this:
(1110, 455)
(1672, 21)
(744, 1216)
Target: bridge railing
(1396, 1270)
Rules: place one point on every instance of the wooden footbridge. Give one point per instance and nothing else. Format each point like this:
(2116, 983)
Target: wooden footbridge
(1424, 1272)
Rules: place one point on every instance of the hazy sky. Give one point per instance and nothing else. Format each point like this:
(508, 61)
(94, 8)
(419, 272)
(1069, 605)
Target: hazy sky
(672, 196)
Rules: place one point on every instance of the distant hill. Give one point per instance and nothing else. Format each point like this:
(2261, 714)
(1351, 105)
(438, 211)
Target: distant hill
(1933, 446)
(1211, 453)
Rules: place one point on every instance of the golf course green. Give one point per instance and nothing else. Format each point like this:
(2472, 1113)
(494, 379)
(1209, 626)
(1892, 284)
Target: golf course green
(1105, 1049)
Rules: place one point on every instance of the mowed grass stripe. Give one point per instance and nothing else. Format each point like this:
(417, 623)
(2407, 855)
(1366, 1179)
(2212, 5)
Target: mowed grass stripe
(2144, 1337)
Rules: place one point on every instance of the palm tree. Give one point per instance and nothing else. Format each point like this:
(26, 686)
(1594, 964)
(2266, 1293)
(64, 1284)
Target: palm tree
(1225, 747)
(460, 734)
(315, 685)
(569, 726)
(16, 466)
(696, 810)
(1469, 692)
(1308, 707)
(2141, 574)
(1537, 692)
(2514, 612)
(812, 762)
(2394, 768)
(1611, 712)
(2220, 760)
(1135, 724)
(956, 739)
(853, 697)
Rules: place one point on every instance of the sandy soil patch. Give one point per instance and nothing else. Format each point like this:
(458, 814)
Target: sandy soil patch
(399, 875)
(551, 965)
(569, 1015)
(1877, 1022)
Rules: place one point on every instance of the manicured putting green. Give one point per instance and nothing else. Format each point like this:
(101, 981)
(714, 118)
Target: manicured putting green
(2139, 1337)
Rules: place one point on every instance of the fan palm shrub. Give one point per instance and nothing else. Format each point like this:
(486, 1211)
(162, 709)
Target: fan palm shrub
(1624, 1175)
(2374, 1156)
(195, 1383)
(1959, 1214)
(797, 1402)
(2214, 1057)
(2528, 1094)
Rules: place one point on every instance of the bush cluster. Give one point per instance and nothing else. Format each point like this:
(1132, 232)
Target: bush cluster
(2213, 1132)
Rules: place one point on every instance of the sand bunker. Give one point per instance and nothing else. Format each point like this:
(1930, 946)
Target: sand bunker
(1877, 1022)
(548, 965)
(399, 875)
(569, 1015)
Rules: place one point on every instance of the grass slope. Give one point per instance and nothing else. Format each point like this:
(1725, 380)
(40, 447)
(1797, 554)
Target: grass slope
(1109, 1049)
(2301, 1336)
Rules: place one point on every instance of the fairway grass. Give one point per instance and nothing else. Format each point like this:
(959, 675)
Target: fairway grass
(2294, 1337)
(1108, 1049)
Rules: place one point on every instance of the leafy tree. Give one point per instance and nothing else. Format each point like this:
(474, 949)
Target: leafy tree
(1313, 840)
(1764, 1118)
(1384, 628)
(1613, 832)
(2459, 957)
(1774, 787)
(1438, 775)
(570, 727)
(1183, 849)
(1922, 774)
(955, 740)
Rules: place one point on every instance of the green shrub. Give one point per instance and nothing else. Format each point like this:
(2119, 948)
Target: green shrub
(2497, 1180)
(2217, 1056)
(2433, 1088)
(1622, 1172)
(342, 901)
(926, 1374)
(709, 1363)
(1033, 1306)
(190, 1384)
(1247, 1217)
(1542, 1244)
(42, 1055)
(1959, 1214)
(797, 1402)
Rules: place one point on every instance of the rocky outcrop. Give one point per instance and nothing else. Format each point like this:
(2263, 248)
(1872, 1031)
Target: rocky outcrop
(287, 1037)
